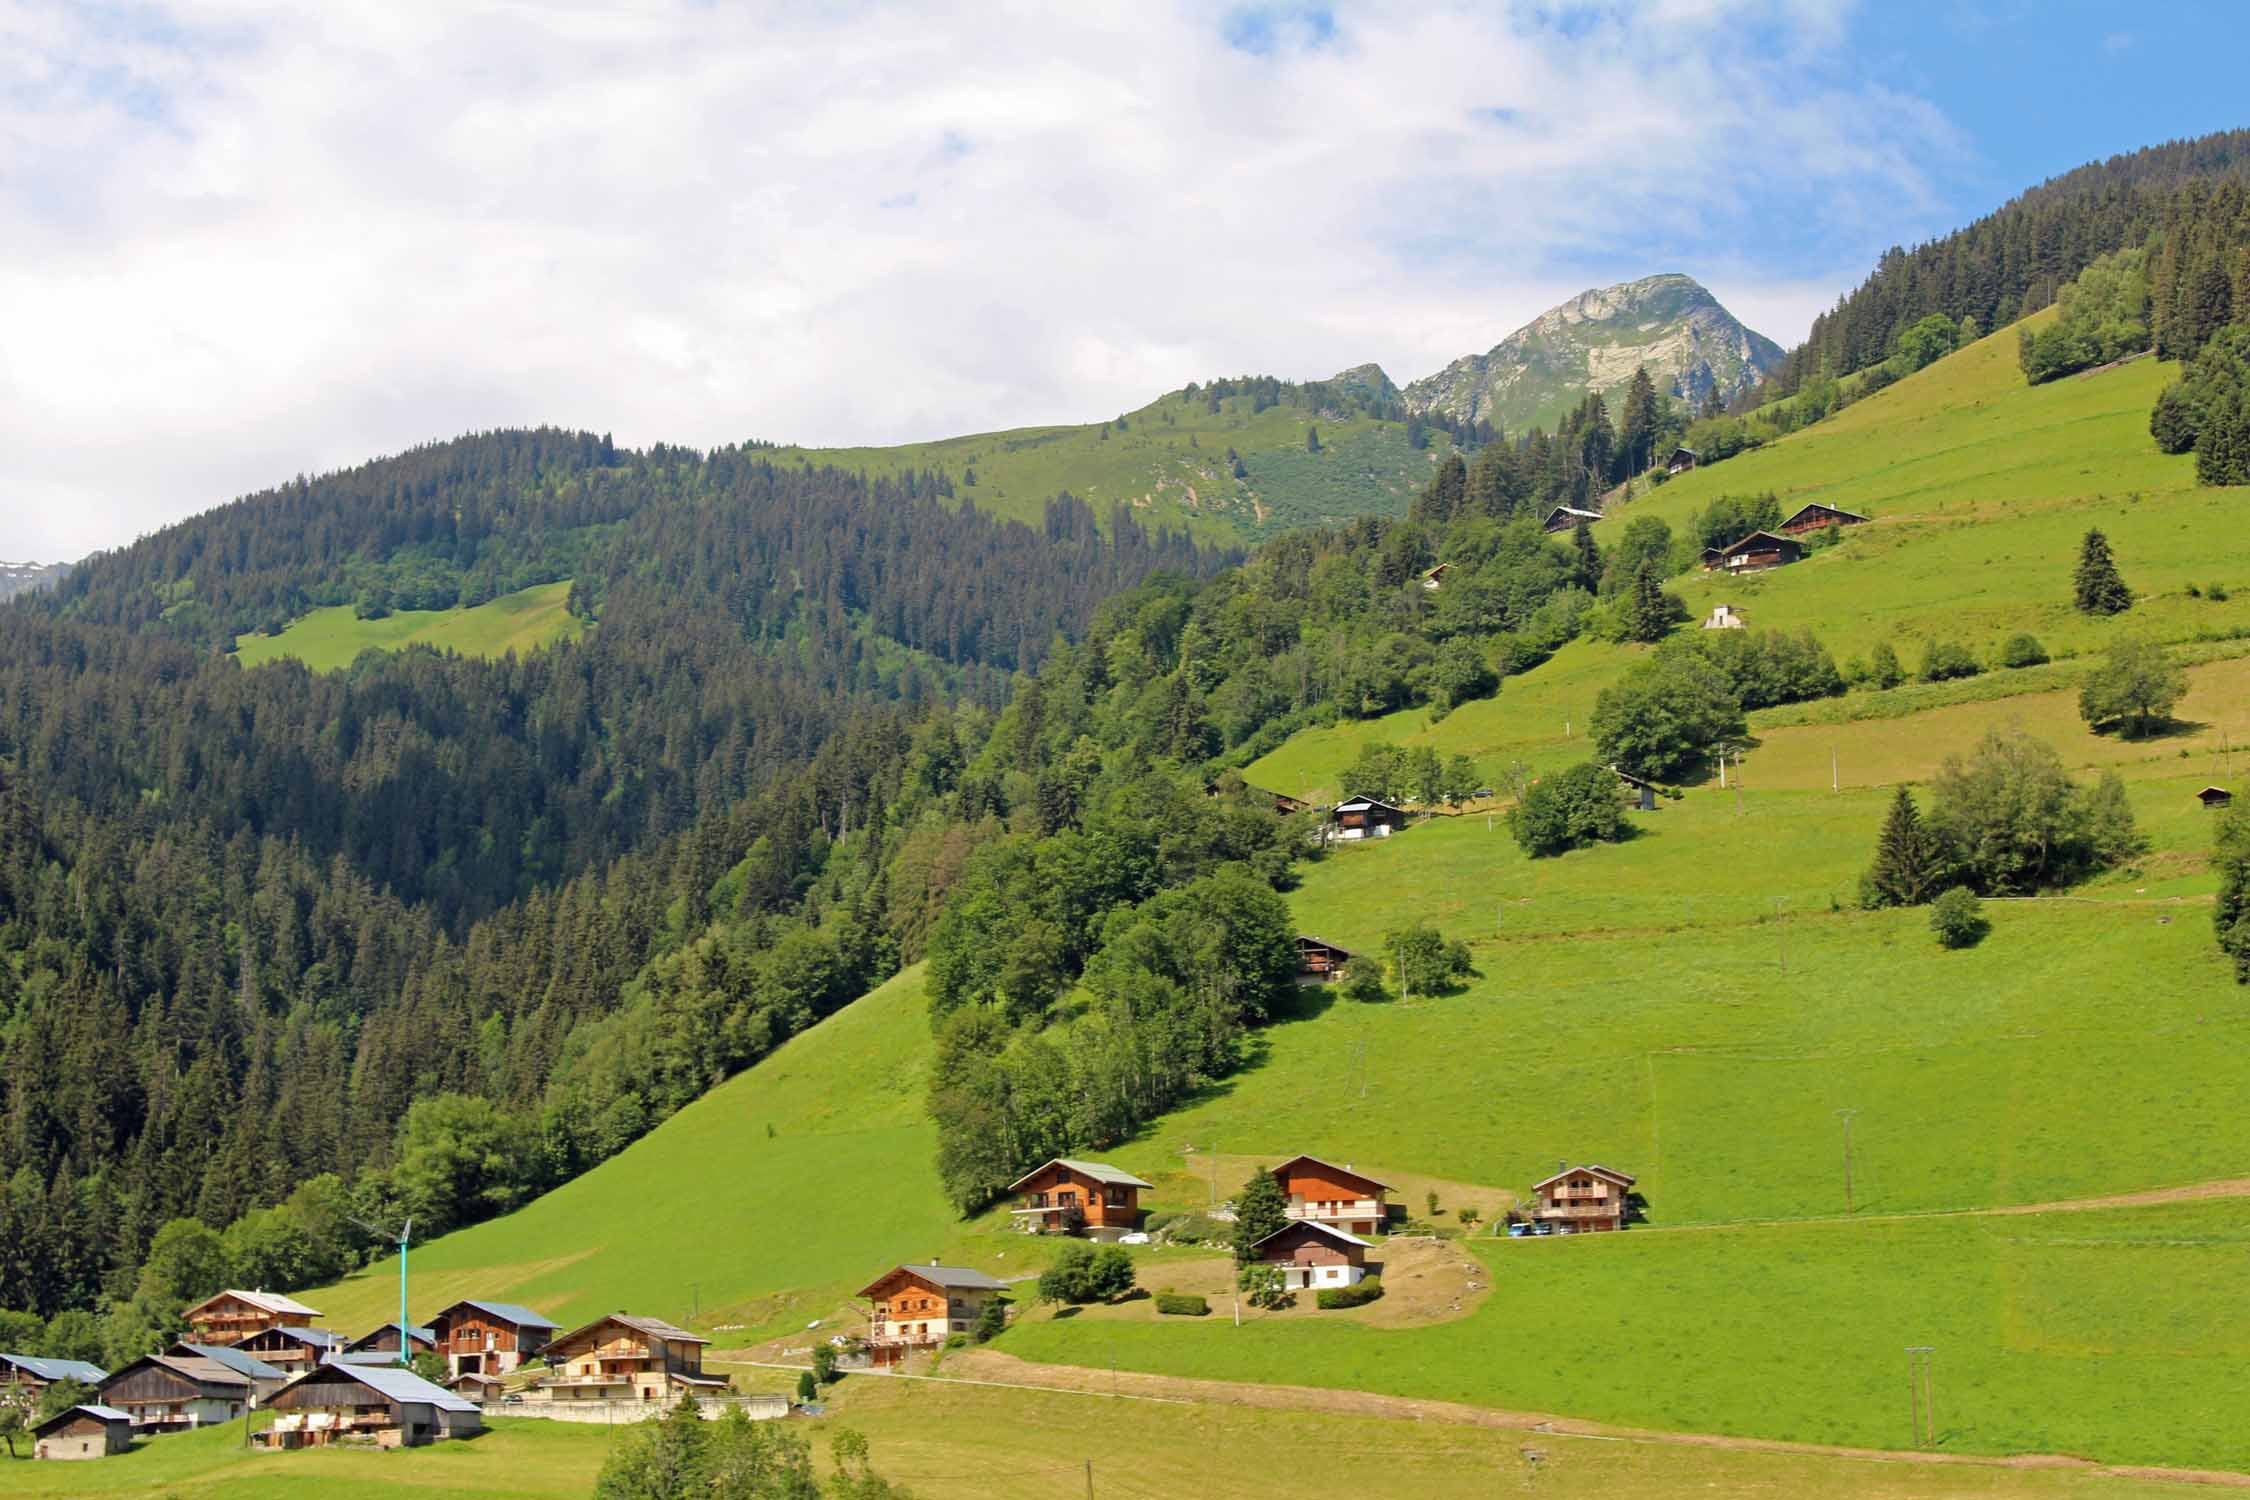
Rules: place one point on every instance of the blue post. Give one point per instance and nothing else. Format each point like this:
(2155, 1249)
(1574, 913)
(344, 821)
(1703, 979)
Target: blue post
(405, 1353)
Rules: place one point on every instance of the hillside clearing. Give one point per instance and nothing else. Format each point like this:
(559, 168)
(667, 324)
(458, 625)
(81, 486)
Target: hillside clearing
(327, 640)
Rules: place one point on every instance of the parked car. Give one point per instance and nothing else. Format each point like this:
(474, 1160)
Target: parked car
(1542, 1227)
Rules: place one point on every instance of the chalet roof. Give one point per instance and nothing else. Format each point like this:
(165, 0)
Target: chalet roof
(2206, 794)
(1345, 1168)
(655, 1328)
(233, 1358)
(1575, 513)
(199, 1368)
(361, 1357)
(1627, 776)
(272, 1302)
(506, 1312)
(1769, 537)
(963, 1277)
(394, 1382)
(1684, 448)
(83, 1409)
(1099, 1171)
(318, 1338)
(474, 1377)
(1837, 510)
(426, 1335)
(1607, 1174)
(51, 1370)
(1355, 802)
(1314, 1226)
(1306, 937)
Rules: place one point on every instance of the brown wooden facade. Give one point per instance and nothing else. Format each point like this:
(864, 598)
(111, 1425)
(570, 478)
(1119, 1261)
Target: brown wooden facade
(1579, 1200)
(1817, 517)
(1319, 962)
(917, 1307)
(386, 1405)
(626, 1358)
(1325, 1193)
(1365, 818)
(163, 1393)
(292, 1350)
(1682, 460)
(232, 1316)
(1070, 1197)
(82, 1432)
(1760, 550)
(490, 1338)
(1566, 518)
(383, 1339)
(2215, 796)
(1313, 1255)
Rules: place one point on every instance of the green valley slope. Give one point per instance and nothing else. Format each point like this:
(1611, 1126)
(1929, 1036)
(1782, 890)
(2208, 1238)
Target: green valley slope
(330, 638)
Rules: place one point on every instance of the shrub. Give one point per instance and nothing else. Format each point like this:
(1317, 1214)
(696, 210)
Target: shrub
(1363, 981)
(1182, 1305)
(1083, 1273)
(991, 1322)
(956, 1341)
(1358, 1294)
(1882, 667)
(807, 1387)
(1957, 917)
(824, 1362)
(1198, 1229)
(1266, 1287)
(1583, 805)
(1427, 963)
(1945, 660)
(2023, 650)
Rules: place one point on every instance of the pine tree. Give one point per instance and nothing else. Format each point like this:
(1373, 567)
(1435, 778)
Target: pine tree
(1259, 1210)
(2230, 921)
(1586, 557)
(2100, 589)
(1636, 433)
(1909, 862)
(1649, 615)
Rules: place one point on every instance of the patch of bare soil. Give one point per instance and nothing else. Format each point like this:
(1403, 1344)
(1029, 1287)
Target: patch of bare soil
(1425, 1281)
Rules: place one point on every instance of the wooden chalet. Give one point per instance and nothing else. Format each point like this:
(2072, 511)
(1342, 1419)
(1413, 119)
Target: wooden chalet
(1077, 1197)
(29, 1374)
(232, 1316)
(1282, 802)
(1713, 557)
(919, 1307)
(173, 1393)
(1365, 818)
(1321, 1192)
(489, 1338)
(1642, 792)
(83, 1432)
(1566, 518)
(2215, 796)
(1760, 550)
(383, 1404)
(292, 1349)
(264, 1379)
(627, 1358)
(1320, 962)
(1313, 1255)
(475, 1385)
(1581, 1200)
(1435, 578)
(384, 1339)
(1726, 617)
(1682, 460)
(1820, 517)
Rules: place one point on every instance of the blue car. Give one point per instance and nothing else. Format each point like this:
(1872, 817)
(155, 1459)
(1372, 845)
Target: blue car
(1518, 1231)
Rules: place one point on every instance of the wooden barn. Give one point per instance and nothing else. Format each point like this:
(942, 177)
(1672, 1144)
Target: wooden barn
(1760, 550)
(264, 1379)
(168, 1393)
(1820, 518)
(383, 1404)
(2215, 796)
(1582, 1200)
(475, 1385)
(1365, 818)
(919, 1307)
(489, 1338)
(627, 1358)
(292, 1349)
(1682, 460)
(1566, 518)
(1281, 802)
(383, 1339)
(1313, 1255)
(1642, 793)
(1320, 962)
(1713, 559)
(83, 1432)
(1072, 1197)
(232, 1316)
(1321, 1192)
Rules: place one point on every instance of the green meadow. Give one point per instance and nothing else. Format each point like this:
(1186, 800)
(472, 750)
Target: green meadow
(326, 640)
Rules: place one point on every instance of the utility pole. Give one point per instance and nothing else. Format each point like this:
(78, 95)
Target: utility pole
(405, 1233)
(1835, 781)
(1781, 931)
(1846, 1116)
(1919, 1392)
(1089, 1479)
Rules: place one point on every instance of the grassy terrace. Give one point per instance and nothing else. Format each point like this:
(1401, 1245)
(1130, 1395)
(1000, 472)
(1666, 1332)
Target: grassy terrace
(328, 639)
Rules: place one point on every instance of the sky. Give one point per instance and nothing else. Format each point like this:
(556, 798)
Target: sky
(243, 240)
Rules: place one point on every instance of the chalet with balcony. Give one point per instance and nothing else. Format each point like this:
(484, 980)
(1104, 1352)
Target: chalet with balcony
(1077, 1197)
(176, 1393)
(292, 1350)
(390, 1406)
(1320, 962)
(1761, 550)
(83, 1432)
(29, 1374)
(1313, 1255)
(1820, 518)
(384, 1339)
(1580, 1200)
(1365, 818)
(918, 1307)
(1320, 1192)
(1566, 518)
(231, 1317)
(627, 1358)
(264, 1379)
(489, 1338)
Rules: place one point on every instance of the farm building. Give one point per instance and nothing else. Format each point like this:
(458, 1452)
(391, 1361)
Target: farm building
(1643, 793)
(1365, 818)
(83, 1432)
(1319, 962)
(383, 1339)
(1712, 558)
(1070, 1197)
(30, 1374)
(232, 1316)
(384, 1404)
(627, 1358)
(1725, 617)
(1435, 578)
(1282, 802)
(1580, 1200)
(264, 1379)
(490, 1338)
(919, 1307)
(1682, 460)
(1761, 549)
(1566, 518)
(169, 1393)
(475, 1385)
(2215, 796)
(292, 1349)
(1312, 1254)
(1820, 518)
(1321, 1192)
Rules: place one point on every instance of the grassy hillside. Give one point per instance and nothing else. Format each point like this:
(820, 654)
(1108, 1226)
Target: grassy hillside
(1169, 463)
(327, 639)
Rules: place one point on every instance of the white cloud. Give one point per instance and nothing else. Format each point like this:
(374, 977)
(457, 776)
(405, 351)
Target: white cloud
(249, 239)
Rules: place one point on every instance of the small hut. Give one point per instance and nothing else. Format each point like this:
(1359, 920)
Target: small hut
(83, 1432)
(2215, 797)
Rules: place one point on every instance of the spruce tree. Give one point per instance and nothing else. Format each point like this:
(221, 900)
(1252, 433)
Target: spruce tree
(2099, 588)
(2230, 920)
(1909, 862)
(1649, 614)
(1259, 1210)
(1586, 558)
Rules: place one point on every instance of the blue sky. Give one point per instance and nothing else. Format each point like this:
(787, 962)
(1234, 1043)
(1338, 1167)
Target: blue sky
(252, 238)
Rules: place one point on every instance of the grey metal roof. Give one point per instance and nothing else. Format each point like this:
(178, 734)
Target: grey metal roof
(272, 1302)
(361, 1357)
(234, 1359)
(426, 1335)
(1316, 1226)
(57, 1369)
(654, 1327)
(946, 1276)
(510, 1311)
(1099, 1171)
(99, 1413)
(398, 1383)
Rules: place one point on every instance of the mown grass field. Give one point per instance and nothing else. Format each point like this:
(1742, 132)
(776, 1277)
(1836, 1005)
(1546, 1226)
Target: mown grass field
(328, 639)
